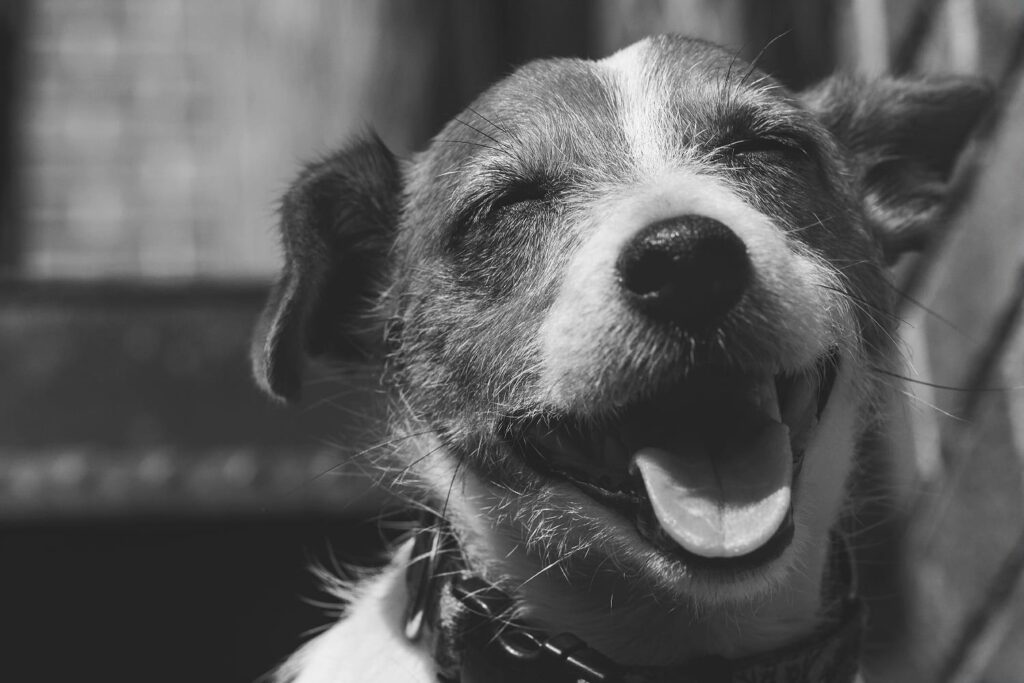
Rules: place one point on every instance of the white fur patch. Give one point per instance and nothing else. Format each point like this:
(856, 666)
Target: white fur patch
(640, 108)
(368, 643)
(588, 319)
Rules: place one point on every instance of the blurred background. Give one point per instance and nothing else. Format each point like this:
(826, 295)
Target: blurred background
(158, 516)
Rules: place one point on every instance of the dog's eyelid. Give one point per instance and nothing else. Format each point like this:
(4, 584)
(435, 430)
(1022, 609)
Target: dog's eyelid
(486, 204)
(772, 142)
(538, 188)
(532, 190)
(503, 188)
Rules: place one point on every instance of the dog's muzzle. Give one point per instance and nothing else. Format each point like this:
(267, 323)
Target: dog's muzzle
(706, 468)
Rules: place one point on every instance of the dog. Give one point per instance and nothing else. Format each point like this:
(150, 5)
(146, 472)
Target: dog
(635, 319)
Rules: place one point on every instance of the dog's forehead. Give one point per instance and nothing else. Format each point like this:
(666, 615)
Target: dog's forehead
(636, 108)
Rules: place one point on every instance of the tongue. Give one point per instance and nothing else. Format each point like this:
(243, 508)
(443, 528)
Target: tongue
(722, 504)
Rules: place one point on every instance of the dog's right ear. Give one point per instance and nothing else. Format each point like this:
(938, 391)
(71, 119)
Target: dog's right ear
(338, 221)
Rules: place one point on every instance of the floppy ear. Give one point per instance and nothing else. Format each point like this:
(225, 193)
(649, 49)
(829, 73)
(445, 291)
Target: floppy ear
(338, 221)
(906, 136)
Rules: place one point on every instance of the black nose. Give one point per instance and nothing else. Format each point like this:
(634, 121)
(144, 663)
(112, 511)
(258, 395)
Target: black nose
(688, 270)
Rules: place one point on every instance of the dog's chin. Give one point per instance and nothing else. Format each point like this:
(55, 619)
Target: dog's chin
(695, 485)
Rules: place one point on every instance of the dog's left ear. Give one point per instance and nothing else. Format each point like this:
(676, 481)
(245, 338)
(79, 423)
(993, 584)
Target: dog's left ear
(338, 222)
(906, 136)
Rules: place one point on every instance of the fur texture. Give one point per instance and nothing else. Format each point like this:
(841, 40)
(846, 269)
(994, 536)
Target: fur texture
(484, 271)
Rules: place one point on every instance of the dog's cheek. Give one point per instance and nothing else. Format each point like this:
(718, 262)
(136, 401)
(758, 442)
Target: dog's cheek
(500, 256)
(818, 209)
(829, 460)
(814, 207)
(470, 324)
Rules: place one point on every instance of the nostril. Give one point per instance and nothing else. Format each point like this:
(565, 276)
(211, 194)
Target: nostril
(689, 270)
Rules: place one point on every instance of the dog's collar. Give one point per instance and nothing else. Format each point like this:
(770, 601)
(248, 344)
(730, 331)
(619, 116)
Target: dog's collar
(464, 620)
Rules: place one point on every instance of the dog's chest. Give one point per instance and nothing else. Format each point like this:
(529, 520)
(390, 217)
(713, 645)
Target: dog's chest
(368, 644)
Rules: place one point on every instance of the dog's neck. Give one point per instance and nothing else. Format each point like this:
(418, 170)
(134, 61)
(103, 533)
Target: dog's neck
(633, 625)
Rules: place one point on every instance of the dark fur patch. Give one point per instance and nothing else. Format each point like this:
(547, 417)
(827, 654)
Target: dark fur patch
(337, 223)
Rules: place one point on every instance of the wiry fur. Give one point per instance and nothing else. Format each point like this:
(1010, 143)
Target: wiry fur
(500, 305)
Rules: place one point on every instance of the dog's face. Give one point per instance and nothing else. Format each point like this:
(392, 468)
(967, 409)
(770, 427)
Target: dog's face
(635, 305)
(625, 291)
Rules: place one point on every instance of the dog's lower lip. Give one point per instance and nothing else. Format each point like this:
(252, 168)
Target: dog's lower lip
(565, 448)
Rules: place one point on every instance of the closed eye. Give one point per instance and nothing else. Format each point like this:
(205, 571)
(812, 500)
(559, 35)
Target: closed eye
(519, 193)
(766, 146)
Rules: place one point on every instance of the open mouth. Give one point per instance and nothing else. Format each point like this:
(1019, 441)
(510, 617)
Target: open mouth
(706, 469)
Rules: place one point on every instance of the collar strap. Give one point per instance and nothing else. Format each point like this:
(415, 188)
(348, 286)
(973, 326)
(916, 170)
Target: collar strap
(467, 624)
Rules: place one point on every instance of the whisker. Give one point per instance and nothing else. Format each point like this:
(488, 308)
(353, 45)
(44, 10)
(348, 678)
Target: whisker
(491, 123)
(551, 565)
(757, 59)
(485, 134)
(863, 302)
(467, 142)
(945, 413)
(352, 459)
(946, 321)
(400, 475)
(451, 486)
(868, 309)
(944, 387)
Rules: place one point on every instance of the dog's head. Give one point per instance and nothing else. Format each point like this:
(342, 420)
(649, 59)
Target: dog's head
(634, 303)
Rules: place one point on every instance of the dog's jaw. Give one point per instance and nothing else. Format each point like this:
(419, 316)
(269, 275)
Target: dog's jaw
(575, 565)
